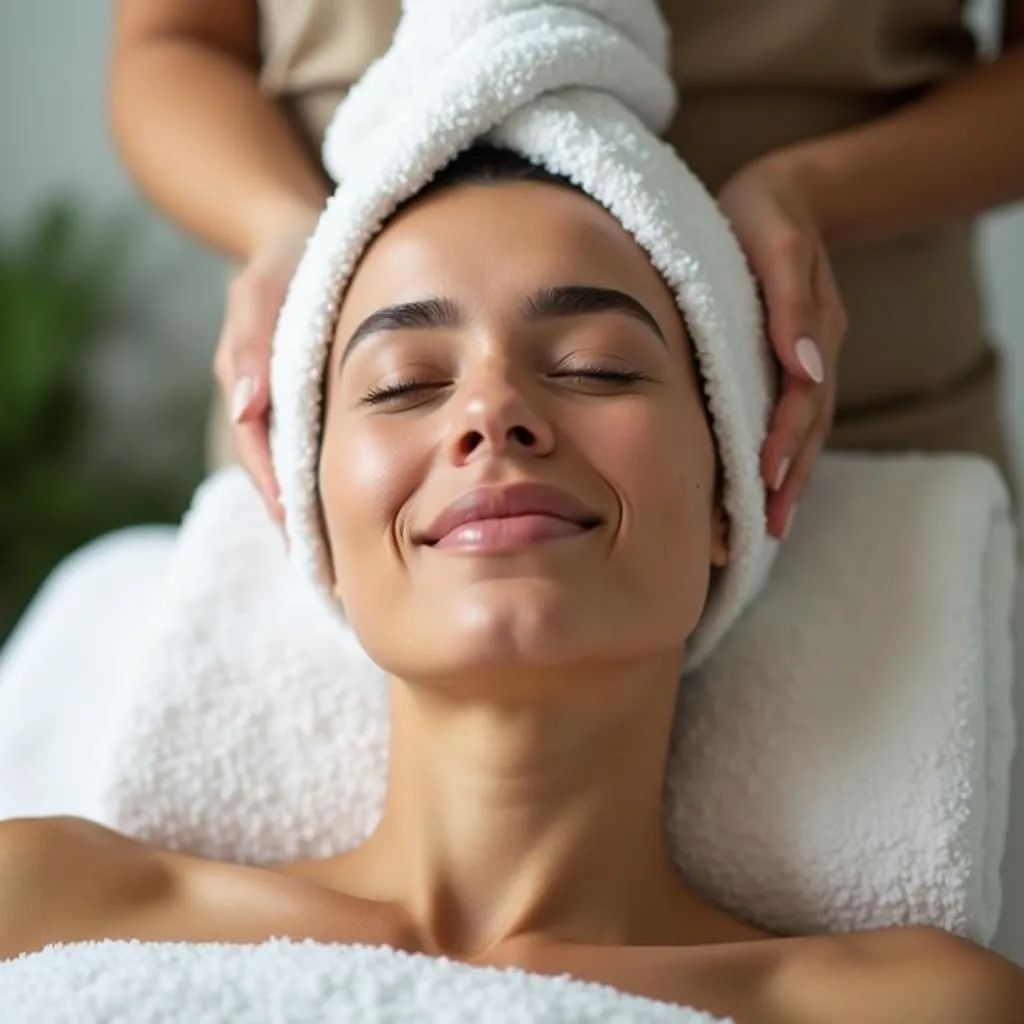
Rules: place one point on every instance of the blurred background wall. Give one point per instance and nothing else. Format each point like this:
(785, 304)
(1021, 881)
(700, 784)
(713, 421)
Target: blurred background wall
(131, 415)
(108, 316)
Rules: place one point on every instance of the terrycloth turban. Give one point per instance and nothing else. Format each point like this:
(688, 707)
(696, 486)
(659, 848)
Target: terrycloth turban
(582, 90)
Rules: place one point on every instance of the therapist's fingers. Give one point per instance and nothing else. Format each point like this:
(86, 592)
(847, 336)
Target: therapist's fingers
(242, 368)
(252, 442)
(785, 268)
(783, 504)
(803, 419)
(834, 322)
(784, 265)
(796, 413)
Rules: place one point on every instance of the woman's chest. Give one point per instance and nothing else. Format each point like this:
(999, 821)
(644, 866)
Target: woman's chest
(225, 903)
(734, 983)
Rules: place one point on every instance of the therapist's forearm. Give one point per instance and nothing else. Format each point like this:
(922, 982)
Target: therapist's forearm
(214, 153)
(952, 154)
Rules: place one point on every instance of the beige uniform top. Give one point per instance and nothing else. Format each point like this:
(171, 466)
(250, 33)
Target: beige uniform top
(916, 370)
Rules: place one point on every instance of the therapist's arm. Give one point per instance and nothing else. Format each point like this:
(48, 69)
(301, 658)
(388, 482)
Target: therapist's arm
(953, 153)
(218, 156)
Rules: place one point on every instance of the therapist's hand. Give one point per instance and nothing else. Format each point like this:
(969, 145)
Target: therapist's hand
(772, 215)
(242, 360)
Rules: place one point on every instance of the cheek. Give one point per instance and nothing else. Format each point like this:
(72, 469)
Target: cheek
(662, 464)
(366, 477)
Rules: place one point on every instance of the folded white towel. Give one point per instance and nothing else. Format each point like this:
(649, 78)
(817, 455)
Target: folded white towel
(299, 983)
(580, 88)
(841, 762)
(61, 669)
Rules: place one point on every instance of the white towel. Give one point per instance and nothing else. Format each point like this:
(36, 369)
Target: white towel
(62, 666)
(299, 983)
(580, 88)
(841, 762)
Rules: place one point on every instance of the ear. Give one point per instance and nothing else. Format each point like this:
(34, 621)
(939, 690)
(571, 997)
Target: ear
(720, 547)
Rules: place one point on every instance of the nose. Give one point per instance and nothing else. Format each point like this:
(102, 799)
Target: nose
(496, 417)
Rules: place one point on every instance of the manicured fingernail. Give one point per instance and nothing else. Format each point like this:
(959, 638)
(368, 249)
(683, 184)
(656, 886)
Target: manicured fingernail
(809, 357)
(245, 388)
(780, 475)
(789, 522)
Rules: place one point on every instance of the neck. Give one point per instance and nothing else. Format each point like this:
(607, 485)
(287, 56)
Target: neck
(504, 820)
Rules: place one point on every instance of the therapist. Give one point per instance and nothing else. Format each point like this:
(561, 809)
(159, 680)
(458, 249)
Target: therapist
(851, 143)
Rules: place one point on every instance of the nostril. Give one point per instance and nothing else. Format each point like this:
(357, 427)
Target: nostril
(471, 441)
(518, 436)
(523, 436)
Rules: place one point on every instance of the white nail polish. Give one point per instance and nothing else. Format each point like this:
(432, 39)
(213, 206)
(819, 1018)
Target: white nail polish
(242, 396)
(789, 522)
(809, 357)
(780, 476)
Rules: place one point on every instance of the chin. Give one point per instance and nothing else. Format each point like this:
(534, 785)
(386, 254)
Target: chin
(519, 630)
(487, 637)
(496, 630)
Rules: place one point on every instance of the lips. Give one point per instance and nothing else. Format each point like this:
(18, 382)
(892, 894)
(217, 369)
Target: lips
(504, 518)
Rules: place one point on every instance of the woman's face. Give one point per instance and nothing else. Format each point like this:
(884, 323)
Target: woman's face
(516, 467)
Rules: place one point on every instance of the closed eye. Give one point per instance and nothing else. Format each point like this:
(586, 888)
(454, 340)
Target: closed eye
(390, 392)
(602, 373)
(601, 377)
(381, 394)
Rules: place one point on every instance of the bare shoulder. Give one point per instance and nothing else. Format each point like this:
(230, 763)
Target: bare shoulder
(59, 877)
(899, 975)
(69, 880)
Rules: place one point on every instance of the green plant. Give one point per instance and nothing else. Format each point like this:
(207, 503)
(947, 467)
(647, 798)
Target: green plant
(58, 297)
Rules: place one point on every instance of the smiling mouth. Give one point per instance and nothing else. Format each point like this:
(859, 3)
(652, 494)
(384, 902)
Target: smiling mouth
(509, 534)
(501, 520)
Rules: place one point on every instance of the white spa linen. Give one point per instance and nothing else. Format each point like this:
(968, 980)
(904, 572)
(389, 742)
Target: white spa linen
(841, 762)
(581, 88)
(62, 668)
(282, 982)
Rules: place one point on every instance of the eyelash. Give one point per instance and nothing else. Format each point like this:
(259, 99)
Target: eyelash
(377, 395)
(390, 392)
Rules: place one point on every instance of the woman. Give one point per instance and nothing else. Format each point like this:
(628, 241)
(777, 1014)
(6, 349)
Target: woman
(867, 134)
(533, 659)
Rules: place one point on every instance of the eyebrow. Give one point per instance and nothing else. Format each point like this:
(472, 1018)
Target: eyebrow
(548, 303)
(585, 300)
(424, 315)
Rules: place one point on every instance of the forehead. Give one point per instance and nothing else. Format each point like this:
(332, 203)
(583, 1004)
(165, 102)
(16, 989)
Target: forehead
(489, 245)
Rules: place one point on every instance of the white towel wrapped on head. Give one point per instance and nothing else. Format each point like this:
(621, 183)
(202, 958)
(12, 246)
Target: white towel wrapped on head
(841, 762)
(580, 89)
